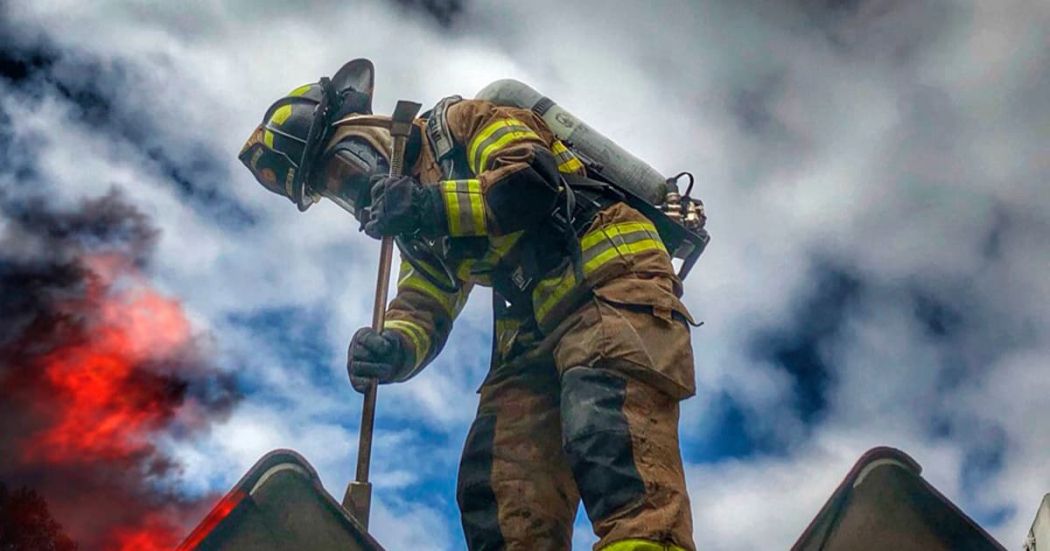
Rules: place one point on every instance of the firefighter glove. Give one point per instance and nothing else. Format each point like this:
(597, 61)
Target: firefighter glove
(401, 205)
(372, 355)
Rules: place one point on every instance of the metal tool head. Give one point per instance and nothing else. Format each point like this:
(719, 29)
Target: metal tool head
(404, 114)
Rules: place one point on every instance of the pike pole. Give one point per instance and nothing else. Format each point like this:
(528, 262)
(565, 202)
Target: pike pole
(358, 497)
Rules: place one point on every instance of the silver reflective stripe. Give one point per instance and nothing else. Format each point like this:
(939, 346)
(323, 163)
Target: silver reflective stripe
(617, 241)
(466, 210)
(599, 247)
(465, 207)
(479, 153)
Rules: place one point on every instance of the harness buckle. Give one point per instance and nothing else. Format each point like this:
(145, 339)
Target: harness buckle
(518, 278)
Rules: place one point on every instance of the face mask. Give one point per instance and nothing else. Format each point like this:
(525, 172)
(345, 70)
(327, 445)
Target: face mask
(347, 170)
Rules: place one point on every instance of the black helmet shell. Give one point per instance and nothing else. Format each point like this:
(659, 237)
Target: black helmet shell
(275, 152)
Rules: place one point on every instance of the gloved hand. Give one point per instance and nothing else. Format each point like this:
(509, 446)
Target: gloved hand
(401, 205)
(372, 355)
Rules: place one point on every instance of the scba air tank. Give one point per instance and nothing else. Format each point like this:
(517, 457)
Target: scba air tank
(615, 163)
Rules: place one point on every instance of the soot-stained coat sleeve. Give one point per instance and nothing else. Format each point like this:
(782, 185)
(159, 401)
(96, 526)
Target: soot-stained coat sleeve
(516, 179)
(422, 315)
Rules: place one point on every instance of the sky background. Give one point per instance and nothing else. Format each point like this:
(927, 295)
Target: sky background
(876, 180)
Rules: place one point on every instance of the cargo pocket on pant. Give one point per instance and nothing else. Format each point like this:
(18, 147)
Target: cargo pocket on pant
(649, 339)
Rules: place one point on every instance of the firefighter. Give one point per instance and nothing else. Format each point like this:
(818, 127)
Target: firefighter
(591, 352)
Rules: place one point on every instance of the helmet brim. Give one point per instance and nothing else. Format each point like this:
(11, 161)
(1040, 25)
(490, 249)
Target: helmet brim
(358, 75)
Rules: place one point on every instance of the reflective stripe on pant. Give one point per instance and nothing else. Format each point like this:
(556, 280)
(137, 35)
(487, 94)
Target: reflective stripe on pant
(614, 397)
(640, 545)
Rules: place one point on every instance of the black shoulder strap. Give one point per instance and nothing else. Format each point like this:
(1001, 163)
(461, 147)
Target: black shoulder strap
(440, 136)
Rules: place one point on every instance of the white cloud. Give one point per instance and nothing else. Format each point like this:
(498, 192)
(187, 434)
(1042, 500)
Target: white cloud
(889, 141)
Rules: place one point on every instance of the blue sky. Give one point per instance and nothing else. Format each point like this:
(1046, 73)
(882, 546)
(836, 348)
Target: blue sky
(874, 172)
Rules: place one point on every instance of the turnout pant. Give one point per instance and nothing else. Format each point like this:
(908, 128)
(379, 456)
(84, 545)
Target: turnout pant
(589, 411)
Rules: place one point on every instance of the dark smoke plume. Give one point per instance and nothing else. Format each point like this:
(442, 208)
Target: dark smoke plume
(27, 525)
(95, 366)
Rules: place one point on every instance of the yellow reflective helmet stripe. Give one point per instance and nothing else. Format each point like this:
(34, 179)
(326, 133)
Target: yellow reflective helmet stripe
(281, 114)
(494, 137)
(465, 207)
(597, 248)
(416, 334)
(300, 90)
(640, 545)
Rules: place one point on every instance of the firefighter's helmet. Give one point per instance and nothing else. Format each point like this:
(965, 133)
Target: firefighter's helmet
(283, 149)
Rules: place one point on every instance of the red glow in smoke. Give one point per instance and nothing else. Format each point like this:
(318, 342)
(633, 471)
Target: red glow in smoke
(154, 534)
(104, 405)
(101, 377)
(101, 408)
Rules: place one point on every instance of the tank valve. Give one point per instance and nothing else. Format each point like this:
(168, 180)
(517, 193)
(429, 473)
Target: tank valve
(683, 209)
(672, 206)
(694, 214)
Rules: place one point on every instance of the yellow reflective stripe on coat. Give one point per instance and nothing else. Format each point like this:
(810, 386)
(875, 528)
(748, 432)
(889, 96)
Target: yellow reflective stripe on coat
(452, 303)
(640, 545)
(478, 270)
(549, 291)
(492, 138)
(465, 207)
(416, 334)
(506, 331)
(566, 160)
(597, 248)
(606, 243)
(465, 270)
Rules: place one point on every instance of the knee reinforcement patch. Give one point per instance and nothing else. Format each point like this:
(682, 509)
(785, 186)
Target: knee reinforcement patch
(597, 440)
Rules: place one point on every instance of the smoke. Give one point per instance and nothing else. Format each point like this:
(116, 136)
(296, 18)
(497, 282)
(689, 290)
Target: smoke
(95, 366)
(26, 523)
(875, 171)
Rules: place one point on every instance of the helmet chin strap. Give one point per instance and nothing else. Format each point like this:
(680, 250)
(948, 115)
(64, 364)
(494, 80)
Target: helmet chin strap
(330, 102)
